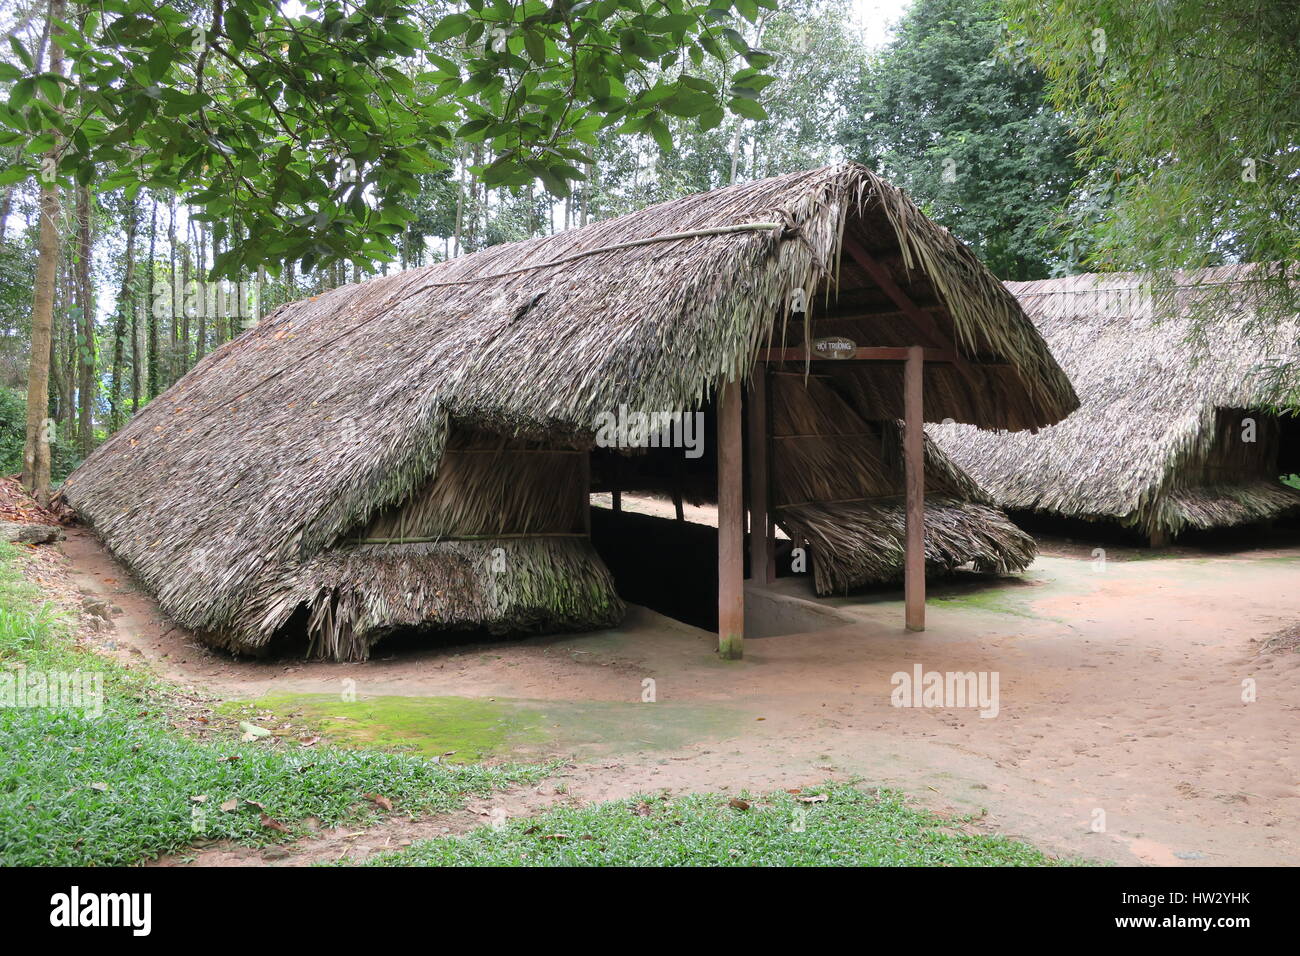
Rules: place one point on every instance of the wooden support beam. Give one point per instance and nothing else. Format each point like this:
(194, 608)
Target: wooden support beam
(872, 354)
(882, 277)
(760, 534)
(731, 525)
(914, 481)
(920, 317)
(586, 492)
(678, 470)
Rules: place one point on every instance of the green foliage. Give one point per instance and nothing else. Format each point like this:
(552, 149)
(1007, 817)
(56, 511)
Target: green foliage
(311, 131)
(851, 827)
(1189, 114)
(817, 59)
(79, 790)
(953, 113)
(17, 276)
(13, 428)
(1192, 109)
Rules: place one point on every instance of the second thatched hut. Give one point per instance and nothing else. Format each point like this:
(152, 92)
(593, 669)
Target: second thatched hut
(1175, 430)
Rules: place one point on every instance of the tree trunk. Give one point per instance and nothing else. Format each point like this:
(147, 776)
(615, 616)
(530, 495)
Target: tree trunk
(36, 448)
(201, 273)
(151, 320)
(173, 337)
(87, 390)
(6, 205)
(124, 302)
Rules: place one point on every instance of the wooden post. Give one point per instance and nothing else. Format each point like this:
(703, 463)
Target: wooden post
(760, 555)
(731, 517)
(585, 481)
(678, 469)
(914, 480)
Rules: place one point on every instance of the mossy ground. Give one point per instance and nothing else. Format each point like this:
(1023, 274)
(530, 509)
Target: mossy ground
(469, 729)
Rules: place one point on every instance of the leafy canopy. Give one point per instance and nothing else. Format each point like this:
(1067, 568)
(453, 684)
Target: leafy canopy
(954, 114)
(1192, 107)
(1189, 113)
(306, 132)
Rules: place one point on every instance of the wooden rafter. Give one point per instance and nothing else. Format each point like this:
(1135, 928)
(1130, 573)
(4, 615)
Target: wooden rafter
(864, 354)
(920, 317)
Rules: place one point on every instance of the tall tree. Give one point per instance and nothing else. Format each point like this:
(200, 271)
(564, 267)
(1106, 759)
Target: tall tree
(955, 114)
(36, 447)
(125, 304)
(87, 386)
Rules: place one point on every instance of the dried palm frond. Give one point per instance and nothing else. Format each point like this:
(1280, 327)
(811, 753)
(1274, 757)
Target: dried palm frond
(837, 483)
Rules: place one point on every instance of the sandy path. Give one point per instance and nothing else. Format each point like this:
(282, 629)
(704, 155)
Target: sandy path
(1120, 700)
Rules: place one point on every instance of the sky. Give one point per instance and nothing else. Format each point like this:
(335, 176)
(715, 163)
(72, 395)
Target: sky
(876, 16)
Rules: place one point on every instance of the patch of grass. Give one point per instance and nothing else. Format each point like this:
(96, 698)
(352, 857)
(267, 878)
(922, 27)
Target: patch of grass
(853, 827)
(1292, 480)
(474, 728)
(996, 600)
(464, 729)
(81, 789)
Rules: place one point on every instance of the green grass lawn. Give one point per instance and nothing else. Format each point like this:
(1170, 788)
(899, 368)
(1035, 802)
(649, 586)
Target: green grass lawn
(125, 786)
(852, 827)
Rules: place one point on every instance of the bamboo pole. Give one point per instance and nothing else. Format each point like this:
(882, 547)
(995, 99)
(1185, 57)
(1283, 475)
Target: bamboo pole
(731, 517)
(914, 479)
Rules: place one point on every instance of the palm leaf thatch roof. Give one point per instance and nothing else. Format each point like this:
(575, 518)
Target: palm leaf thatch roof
(223, 493)
(837, 484)
(1167, 367)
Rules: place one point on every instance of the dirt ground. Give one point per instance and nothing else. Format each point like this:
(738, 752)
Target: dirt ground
(1122, 732)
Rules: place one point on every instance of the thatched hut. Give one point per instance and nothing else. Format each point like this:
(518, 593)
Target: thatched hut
(417, 450)
(1174, 431)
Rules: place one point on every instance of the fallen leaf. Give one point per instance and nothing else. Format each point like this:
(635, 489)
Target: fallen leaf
(229, 806)
(273, 824)
(199, 798)
(738, 804)
(815, 798)
(101, 787)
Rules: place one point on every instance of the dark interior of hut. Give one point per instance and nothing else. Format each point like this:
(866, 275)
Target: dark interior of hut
(660, 561)
(1288, 446)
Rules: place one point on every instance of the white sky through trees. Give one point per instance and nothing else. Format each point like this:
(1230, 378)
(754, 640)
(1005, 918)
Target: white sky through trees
(877, 18)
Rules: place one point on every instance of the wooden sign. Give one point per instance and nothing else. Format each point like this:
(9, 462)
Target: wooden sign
(833, 347)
